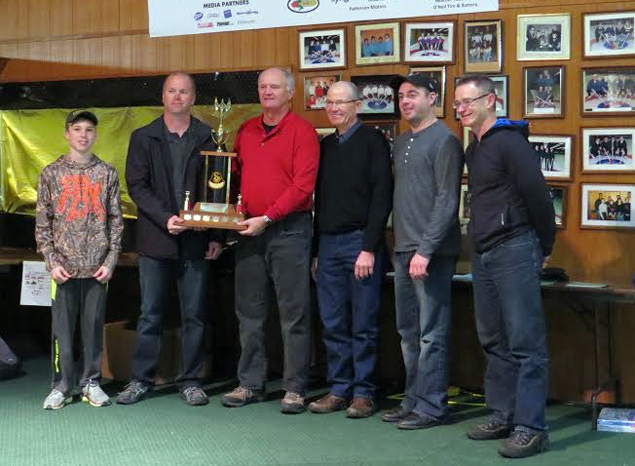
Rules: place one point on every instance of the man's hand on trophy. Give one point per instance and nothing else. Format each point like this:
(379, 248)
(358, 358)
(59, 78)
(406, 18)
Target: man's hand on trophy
(175, 225)
(255, 226)
(213, 250)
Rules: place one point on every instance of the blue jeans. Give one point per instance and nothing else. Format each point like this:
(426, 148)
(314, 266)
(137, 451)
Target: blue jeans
(349, 312)
(156, 277)
(511, 328)
(280, 256)
(423, 310)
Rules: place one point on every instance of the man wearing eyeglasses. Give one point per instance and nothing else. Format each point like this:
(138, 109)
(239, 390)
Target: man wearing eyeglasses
(428, 163)
(353, 199)
(512, 227)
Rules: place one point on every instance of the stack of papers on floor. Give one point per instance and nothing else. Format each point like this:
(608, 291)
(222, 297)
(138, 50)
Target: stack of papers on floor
(617, 420)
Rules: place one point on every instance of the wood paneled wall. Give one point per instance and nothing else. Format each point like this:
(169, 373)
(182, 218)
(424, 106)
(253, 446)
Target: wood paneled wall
(72, 39)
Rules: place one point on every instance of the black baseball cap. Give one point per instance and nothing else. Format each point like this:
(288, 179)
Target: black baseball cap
(417, 80)
(77, 115)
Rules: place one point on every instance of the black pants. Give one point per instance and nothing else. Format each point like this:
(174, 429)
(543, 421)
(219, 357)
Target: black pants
(86, 297)
(279, 256)
(156, 277)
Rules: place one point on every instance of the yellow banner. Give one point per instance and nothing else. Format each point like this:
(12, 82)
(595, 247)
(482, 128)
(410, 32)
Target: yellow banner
(31, 139)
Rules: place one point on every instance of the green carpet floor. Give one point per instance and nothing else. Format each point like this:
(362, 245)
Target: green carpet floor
(162, 430)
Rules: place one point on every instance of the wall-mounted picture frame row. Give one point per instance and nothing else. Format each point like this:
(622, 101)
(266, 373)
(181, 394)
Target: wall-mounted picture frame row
(605, 91)
(539, 37)
(604, 206)
(603, 150)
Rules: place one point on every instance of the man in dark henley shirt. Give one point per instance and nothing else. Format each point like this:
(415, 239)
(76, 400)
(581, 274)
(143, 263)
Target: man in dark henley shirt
(428, 161)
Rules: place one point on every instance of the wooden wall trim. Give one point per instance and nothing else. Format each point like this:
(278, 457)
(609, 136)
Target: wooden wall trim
(134, 32)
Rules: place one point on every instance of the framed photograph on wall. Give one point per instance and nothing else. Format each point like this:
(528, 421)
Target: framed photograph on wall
(543, 92)
(378, 97)
(322, 49)
(377, 43)
(607, 206)
(555, 155)
(608, 91)
(544, 37)
(559, 195)
(607, 150)
(389, 129)
(436, 73)
(429, 42)
(464, 208)
(483, 46)
(609, 35)
(502, 95)
(315, 89)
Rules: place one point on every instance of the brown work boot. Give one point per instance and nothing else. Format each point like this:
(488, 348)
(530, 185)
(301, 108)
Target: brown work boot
(329, 403)
(292, 403)
(241, 396)
(360, 408)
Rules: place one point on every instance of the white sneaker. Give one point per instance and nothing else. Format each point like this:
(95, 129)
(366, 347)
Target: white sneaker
(94, 395)
(56, 400)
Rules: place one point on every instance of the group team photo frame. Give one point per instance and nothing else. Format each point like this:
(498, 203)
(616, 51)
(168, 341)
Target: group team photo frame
(377, 44)
(483, 46)
(543, 37)
(608, 91)
(322, 49)
(609, 34)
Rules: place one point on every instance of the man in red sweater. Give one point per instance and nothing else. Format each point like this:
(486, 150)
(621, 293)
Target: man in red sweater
(277, 166)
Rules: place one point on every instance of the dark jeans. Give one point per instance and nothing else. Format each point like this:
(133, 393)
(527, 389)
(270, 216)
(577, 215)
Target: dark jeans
(279, 256)
(156, 277)
(423, 310)
(85, 297)
(349, 311)
(511, 328)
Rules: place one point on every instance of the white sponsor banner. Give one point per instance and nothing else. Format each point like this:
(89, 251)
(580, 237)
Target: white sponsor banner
(178, 17)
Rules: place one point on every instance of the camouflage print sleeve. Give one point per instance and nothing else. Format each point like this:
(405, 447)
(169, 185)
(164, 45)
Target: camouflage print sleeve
(114, 219)
(44, 213)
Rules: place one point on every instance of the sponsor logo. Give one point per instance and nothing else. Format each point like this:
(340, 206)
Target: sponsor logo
(248, 12)
(251, 21)
(198, 16)
(223, 23)
(211, 15)
(302, 6)
(227, 14)
(205, 25)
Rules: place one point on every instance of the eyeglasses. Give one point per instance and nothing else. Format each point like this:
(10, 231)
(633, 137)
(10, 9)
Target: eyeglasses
(467, 102)
(339, 103)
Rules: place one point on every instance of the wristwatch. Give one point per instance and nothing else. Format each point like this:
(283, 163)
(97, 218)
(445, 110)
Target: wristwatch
(267, 220)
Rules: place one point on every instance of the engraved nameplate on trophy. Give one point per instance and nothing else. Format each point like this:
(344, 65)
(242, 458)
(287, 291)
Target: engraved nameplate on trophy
(215, 209)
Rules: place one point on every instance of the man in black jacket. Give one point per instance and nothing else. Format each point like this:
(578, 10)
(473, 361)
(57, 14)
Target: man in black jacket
(512, 227)
(163, 163)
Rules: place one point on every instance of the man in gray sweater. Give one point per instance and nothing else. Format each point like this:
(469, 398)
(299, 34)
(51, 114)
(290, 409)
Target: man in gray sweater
(428, 164)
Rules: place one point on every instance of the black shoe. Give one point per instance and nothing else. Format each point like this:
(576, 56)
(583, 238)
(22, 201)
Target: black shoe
(395, 414)
(490, 430)
(521, 444)
(133, 393)
(194, 396)
(417, 421)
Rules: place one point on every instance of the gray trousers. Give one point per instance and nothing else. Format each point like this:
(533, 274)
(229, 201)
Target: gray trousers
(85, 297)
(280, 256)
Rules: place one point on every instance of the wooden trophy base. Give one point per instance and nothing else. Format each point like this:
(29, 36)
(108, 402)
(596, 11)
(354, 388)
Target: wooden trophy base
(199, 218)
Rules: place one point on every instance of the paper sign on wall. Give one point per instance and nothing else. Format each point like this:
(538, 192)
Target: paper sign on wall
(36, 284)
